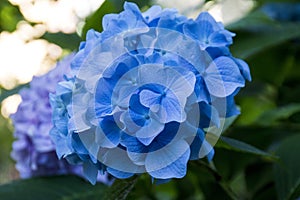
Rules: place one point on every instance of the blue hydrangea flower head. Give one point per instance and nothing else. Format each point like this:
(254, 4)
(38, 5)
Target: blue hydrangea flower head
(146, 93)
(33, 150)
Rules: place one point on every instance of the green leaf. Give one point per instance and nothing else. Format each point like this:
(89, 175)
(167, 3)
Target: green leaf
(65, 41)
(270, 117)
(257, 188)
(254, 100)
(236, 145)
(254, 21)
(210, 182)
(49, 188)
(257, 32)
(9, 16)
(247, 45)
(109, 6)
(120, 189)
(6, 93)
(287, 173)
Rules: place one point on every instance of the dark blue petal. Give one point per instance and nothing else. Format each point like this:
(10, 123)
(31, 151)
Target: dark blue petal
(223, 77)
(165, 137)
(109, 133)
(119, 174)
(103, 98)
(200, 147)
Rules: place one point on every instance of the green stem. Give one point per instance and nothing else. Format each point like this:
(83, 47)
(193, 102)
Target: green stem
(223, 183)
(120, 189)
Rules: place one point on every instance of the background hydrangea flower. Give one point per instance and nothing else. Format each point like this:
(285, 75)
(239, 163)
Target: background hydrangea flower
(282, 11)
(145, 92)
(33, 149)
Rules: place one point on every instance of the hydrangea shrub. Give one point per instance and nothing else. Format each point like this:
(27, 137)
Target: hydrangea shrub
(145, 94)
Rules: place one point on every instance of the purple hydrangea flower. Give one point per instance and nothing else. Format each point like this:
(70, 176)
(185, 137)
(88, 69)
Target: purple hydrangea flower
(146, 93)
(33, 149)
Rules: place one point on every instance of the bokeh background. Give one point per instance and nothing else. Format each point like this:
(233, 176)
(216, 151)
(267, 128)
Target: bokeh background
(34, 34)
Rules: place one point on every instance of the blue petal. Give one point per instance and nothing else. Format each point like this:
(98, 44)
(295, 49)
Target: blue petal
(103, 98)
(77, 144)
(132, 121)
(165, 137)
(205, 16)
(192, 29)
(231, 109)
(219, 39)
(201, 90)
(148, 132)
(152, 13)
(223, 77)
(118, 160)
(90, 171)
(119, 174)
(136, 106)
(226, 106)
(200, 147)
(196, 144)
(60, 141)
(199, 30)
(108, 134)
(168, 162)
(210, 155)
(171, 110)
(215, 52)
(107, 19)
(143, 123)
(209, 115)
(133, 144)
(244, 69)
(149, 98)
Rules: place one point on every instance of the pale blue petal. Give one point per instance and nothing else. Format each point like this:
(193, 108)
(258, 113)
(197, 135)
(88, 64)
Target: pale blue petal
(149, 98)
(118, 159)
(223, 77)
(61, 144)
(168, 162)
(108, 134)
(205, 16)
(147, 133)
(171, 110)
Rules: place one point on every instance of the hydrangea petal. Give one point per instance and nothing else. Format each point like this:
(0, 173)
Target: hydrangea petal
(90, 171)
(168, 162)
(223, 77)
(108, 134)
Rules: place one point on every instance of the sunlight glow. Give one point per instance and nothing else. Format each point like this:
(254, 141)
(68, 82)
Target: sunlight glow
(10, 105)
(23, 54)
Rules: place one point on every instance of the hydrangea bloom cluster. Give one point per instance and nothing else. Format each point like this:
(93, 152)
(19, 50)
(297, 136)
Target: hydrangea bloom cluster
(145, 93)
(33, 150)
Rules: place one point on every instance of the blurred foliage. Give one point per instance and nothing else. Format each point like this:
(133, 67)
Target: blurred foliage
(4, 93)
(258, 156)
(9, 16)
(7, 171)
(48, 188)
(65, 41)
